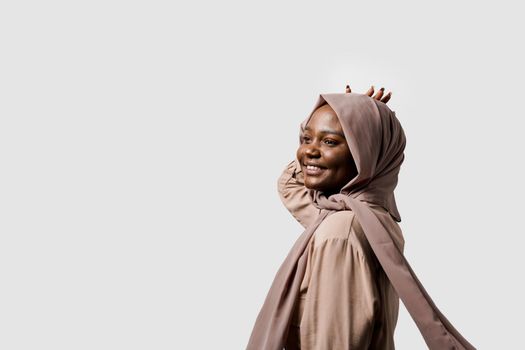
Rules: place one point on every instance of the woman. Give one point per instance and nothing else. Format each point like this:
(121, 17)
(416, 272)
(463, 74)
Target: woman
(346, 301)
(338, 287)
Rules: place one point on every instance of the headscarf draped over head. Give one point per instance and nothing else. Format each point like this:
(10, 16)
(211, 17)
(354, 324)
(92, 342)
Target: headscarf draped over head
(377, 141)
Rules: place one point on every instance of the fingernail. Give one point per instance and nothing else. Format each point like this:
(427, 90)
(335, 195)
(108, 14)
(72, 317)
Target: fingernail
(382, 89)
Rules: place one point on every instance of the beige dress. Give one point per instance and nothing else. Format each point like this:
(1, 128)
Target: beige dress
(346, 301)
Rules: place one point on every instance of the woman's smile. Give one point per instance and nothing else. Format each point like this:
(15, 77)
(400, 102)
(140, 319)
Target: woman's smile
(313, 170)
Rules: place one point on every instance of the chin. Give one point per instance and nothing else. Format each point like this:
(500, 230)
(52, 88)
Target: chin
(314, 187)
(309, 187)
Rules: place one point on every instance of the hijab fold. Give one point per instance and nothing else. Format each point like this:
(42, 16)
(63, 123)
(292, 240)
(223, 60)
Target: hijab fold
(377, 142)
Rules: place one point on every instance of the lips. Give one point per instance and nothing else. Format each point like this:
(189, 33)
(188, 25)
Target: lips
(313, 170)
(306, 164)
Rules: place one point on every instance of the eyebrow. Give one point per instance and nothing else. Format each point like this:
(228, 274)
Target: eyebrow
(328, 131)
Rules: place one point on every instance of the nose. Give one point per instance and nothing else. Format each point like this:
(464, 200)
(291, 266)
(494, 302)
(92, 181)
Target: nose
(312, 150)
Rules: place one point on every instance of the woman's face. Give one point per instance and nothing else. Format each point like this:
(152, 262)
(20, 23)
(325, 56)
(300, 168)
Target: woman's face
(324, 155)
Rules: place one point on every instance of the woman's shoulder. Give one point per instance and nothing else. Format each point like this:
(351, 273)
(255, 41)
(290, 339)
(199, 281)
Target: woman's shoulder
(336, 226)
(341, 233)
(344, 226)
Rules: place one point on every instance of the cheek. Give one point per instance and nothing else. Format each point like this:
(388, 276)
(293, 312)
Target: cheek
(332, 158)
(340, 162)
(299, 152)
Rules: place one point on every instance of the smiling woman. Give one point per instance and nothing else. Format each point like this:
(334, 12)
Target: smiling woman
(339, 286)
(324, 155)
(345, 301)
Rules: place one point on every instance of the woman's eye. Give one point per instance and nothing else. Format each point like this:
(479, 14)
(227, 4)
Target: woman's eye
(331, 142)
(306, 139)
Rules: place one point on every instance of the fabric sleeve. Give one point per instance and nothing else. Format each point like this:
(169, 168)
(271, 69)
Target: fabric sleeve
(343, 299)
(295, 196)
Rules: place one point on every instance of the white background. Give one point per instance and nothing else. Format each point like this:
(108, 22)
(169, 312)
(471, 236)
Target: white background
(141, 142)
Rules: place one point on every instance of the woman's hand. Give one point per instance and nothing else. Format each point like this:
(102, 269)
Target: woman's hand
(378, 96)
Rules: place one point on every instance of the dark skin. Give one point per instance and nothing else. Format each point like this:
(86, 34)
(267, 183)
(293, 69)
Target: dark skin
(326, 160)
(378, 96)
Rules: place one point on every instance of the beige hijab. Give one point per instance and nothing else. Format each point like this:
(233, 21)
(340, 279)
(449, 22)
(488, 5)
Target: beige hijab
(377, 142)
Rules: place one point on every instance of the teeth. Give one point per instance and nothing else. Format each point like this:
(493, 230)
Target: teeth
(312, 167)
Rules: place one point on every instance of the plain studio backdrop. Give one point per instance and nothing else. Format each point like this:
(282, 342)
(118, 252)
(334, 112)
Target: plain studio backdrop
(141, 142)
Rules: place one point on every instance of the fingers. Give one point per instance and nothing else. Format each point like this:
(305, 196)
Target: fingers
(379, 94)
(387, 97)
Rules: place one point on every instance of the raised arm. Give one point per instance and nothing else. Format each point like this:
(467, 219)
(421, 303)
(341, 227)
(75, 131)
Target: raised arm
(295, 196)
